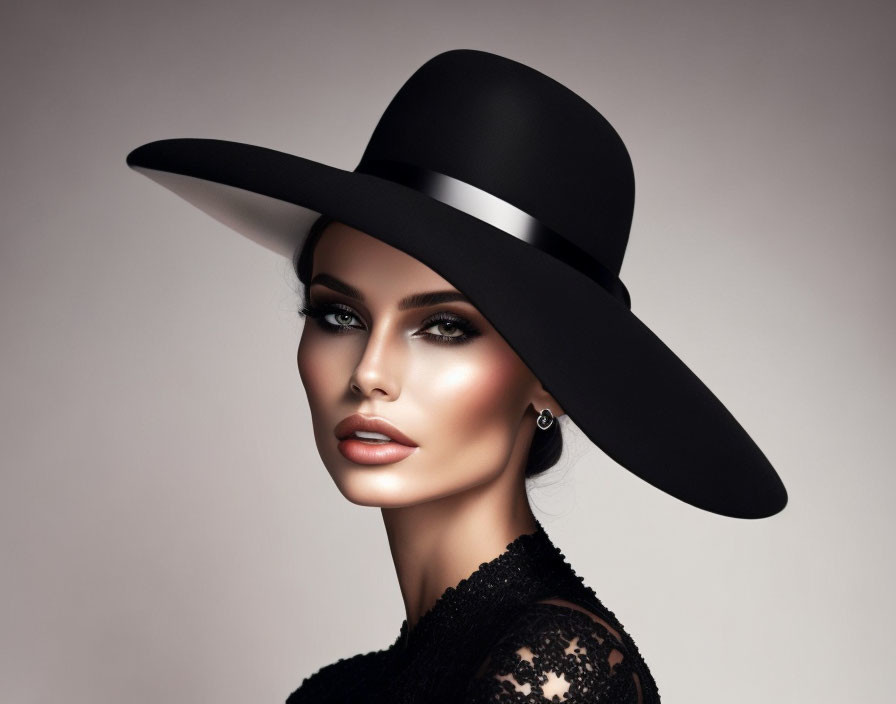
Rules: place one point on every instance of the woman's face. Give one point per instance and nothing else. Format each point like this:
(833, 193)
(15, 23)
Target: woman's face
(437, 371)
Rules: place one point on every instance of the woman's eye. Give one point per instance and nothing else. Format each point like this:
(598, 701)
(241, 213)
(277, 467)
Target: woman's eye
(446, 328)
(330, 318)
(449, 328)
(339, 318)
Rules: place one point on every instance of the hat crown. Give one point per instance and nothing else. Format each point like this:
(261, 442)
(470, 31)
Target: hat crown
(517, 134)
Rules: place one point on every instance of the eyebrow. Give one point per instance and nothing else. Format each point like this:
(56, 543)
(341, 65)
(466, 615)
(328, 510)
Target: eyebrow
(416, 300)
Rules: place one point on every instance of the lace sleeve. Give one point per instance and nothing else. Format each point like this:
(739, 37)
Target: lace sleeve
(556, 652)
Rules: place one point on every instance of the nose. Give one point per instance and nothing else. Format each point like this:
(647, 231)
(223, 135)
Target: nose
(378, 371)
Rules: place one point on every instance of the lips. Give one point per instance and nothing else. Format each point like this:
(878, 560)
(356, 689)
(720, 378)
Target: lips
(347, 426)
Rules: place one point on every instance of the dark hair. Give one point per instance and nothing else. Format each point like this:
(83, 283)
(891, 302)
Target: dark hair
(546, 444)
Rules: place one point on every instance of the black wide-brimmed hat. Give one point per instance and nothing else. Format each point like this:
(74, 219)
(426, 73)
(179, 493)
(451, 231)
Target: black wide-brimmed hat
(518, 192)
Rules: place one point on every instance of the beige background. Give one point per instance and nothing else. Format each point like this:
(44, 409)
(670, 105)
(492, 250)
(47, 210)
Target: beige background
(168, 532)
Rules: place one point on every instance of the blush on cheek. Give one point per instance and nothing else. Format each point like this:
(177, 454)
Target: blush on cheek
(481, 397)
(503, 381)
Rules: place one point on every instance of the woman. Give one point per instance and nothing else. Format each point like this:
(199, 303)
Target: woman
(462, 284)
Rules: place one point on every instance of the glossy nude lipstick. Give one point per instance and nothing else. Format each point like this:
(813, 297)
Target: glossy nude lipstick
(370, 440)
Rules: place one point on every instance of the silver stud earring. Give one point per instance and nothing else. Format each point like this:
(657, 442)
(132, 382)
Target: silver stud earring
(545, 419)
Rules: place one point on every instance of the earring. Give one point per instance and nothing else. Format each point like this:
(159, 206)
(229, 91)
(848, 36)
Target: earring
(545, 419)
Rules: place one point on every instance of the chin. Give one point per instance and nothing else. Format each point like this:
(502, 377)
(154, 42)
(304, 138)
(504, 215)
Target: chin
(363, 494)
(380, 488)
(368, 485)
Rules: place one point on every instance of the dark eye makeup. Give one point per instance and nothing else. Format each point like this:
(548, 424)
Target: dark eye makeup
(321, 313)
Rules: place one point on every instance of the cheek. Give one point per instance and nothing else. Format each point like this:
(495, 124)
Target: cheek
(474, 395)
(321, 369)
(307, 362)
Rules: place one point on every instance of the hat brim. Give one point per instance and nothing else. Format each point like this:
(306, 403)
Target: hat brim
(627, 391)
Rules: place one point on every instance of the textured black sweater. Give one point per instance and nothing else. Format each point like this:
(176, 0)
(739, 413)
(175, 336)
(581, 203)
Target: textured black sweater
(522, 628)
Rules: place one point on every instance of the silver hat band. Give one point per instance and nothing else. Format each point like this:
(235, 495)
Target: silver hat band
(498, 213)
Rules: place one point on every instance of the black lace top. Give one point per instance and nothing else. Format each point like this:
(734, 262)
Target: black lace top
(522, 628)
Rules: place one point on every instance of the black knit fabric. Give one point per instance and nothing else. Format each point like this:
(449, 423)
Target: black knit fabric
(494, 638)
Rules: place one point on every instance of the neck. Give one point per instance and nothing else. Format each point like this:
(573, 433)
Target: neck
(438, 543)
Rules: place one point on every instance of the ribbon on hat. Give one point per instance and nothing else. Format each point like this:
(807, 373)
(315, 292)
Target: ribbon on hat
(500, 214)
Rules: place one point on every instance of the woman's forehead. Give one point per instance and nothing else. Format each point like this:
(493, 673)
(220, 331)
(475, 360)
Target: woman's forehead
(366, 265)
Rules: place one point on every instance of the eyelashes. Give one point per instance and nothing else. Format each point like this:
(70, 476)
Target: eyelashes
(454, 323)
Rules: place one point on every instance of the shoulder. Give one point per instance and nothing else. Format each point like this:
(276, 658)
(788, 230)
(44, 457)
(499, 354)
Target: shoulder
(334, 682)
(557, 648)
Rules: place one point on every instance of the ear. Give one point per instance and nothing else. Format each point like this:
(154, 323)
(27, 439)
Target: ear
(542, 399)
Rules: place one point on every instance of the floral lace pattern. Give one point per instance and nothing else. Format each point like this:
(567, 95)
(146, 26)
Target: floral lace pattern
(554, 651)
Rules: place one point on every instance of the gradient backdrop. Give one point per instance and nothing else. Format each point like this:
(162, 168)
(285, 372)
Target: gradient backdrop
(168, 531)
